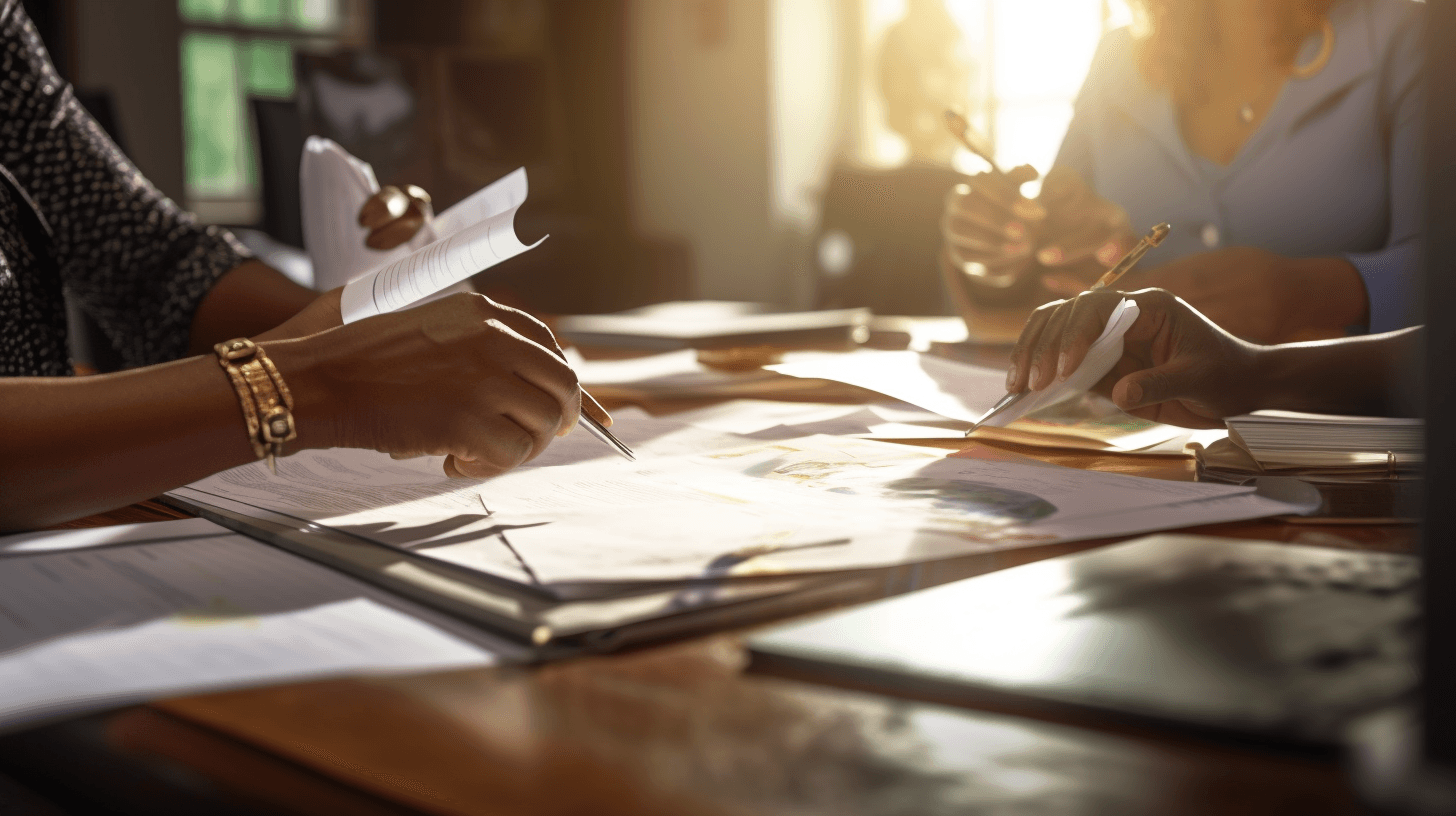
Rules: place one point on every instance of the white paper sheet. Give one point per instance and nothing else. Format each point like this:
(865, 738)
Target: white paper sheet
(948, 388)
(963, 392)
(779, 506)
(470, 237)
(195, 607)
(444, 263)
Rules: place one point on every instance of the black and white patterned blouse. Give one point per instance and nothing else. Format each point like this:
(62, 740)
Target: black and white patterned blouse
(130, 257)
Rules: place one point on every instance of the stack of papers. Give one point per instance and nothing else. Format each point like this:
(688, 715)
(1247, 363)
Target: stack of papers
(1328, 446)
(701, 503)
(116, 615)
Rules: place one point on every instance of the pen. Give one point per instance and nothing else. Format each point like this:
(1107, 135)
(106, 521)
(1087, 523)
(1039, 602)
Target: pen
(600, 432)
(1154, 237)
(960, 127)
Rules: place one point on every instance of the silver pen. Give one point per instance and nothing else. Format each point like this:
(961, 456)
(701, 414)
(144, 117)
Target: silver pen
(1154, 237)
(600, 432)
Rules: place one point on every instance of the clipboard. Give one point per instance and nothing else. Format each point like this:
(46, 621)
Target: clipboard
(614, 617)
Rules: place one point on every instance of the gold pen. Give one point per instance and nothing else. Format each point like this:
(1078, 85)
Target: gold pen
(1154, 237)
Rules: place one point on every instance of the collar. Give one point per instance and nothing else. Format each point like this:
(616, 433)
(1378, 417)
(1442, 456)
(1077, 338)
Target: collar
(1151, 109)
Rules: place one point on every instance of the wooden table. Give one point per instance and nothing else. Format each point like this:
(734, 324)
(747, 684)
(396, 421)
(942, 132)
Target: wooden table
(681, 728)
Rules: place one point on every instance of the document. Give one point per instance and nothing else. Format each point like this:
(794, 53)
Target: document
(955, 390)
(470, 237)
(448, 260)
(720, 505)
(91, 619)
(1072, 418)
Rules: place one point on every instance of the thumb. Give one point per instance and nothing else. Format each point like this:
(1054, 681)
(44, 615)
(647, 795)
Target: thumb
(1152, 386)
(1021, 174)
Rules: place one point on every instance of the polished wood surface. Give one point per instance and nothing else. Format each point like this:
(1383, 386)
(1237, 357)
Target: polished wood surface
(682, 728)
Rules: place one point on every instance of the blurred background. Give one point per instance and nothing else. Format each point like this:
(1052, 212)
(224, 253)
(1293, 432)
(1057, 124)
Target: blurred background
(784, 151)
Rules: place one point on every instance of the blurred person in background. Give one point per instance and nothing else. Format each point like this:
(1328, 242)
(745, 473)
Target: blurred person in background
(1281, 141)
(481, 383)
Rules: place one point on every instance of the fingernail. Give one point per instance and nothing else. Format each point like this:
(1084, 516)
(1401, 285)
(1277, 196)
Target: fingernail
(1064, 365)
(1010, 376)
(1050, 255)
(1015, 230)
(1035, 375)
(1134, 393)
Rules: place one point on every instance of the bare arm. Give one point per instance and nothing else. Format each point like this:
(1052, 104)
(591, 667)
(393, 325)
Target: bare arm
(463, 377)
(1181, 368)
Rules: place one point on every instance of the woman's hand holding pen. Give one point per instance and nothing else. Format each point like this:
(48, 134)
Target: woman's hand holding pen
(463, 376)
(1083, 235)
(997, 238)
(988, 226)
(1177, 366)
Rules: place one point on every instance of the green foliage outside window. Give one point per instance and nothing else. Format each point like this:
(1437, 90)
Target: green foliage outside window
(221, 68)
(213, 122)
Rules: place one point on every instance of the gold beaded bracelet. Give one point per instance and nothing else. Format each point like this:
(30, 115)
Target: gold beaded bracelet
(265, 399)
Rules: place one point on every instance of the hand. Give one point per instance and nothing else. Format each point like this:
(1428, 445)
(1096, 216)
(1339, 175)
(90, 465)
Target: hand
(1267, 298)
(1177, 366)
(988, 226)
(393, 215)
(1083, 236)
(481, 383)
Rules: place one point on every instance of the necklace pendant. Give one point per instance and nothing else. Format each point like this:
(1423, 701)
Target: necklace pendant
(1246, 114)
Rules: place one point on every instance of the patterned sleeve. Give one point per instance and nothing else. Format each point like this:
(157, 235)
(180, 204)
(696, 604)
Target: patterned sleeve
(131, 257)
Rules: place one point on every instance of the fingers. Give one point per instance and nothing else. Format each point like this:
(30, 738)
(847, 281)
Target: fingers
(1104, 239)
(1043, 356)
(1056, 339)
(393, 216)
(1019, 374)
(493, 445)
(1086, 319)
(543, 368)
(398, 231)
(382, 207)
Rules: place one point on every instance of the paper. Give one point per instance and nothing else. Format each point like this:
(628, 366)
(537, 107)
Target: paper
(447, 261)
(468, 238)
(333, 186)
(1102, 355)
(948, 388)
(713, 504)
(188, 606)
(964, 392)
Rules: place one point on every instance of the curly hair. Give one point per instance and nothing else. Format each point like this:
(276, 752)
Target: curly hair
(1174, 35)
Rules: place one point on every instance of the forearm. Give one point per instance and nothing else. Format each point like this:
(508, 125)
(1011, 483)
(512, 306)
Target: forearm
(1350, 376)
(247, 301)
(80, 445)
(1329, 297)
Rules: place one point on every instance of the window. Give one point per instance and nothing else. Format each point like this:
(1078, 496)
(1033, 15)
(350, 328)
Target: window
(231, 50)
(1028, 57)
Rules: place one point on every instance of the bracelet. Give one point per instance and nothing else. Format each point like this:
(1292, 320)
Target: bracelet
(265, 399)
